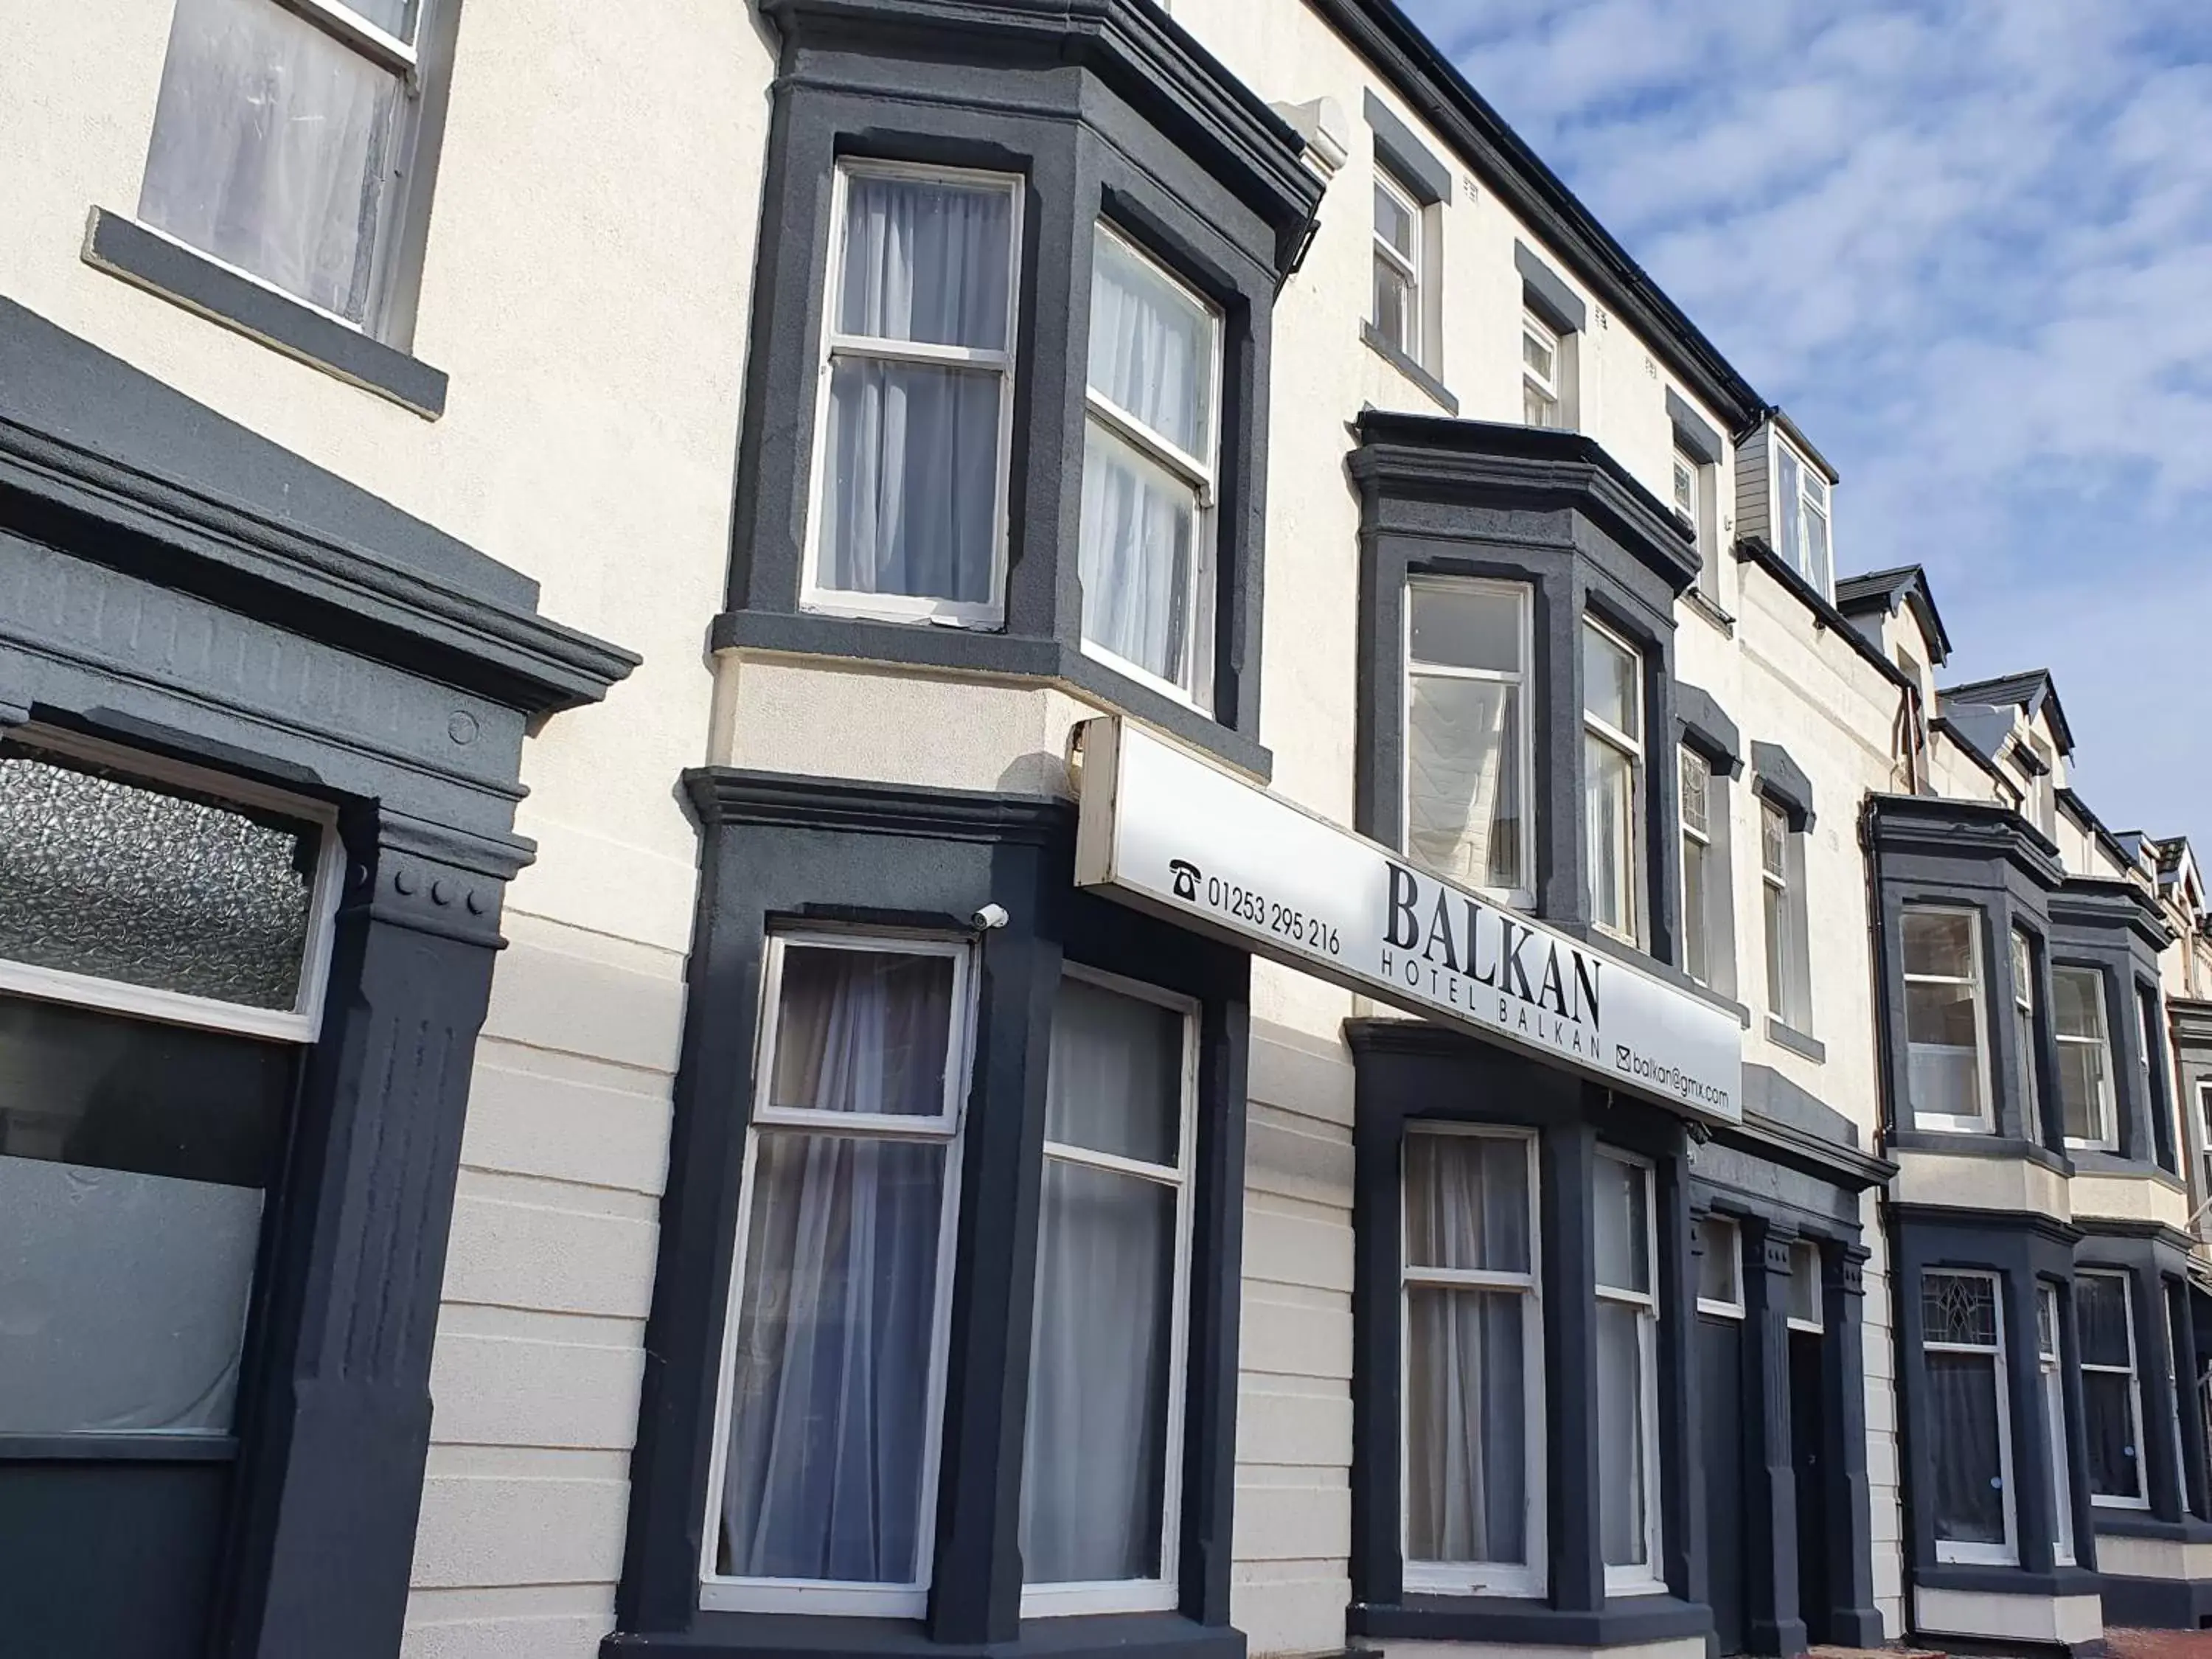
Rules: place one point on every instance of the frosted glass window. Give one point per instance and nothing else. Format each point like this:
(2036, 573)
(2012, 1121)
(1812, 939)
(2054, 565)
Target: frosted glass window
(104, 876)
(280, 141)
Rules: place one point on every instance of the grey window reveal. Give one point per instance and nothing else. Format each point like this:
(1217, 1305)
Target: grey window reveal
(282, 140)
(1962, 1337)
(918, 390)
(1473, 1471)
(836, 1363)
(1101, 1446)
(2110, 1401)
(1147, 555)
(133, 1161)
(2150, 1065)
(2028, 1033)
(1466, 740)
(2084, 1057)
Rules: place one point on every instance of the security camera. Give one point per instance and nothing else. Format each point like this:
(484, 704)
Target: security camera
(990, 916)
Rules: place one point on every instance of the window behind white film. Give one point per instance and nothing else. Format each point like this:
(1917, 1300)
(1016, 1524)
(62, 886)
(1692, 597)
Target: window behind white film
(1467, 649)
(1398, 254)
(280, 139)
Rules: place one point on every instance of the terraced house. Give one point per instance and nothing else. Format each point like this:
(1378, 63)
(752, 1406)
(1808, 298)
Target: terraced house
(915, 827)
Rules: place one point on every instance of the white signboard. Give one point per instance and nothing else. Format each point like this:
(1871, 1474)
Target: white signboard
(1171, 834)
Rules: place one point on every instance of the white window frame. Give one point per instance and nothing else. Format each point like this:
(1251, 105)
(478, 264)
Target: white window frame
(2107, 1139)
(1788, 958)
(2204, 1171)
(1159, 1594)
(1804, 1251)
(1814, 495)
(302, 1022)
(2043, 785)
(1408, 265)
(1201, 473)
(1596, 726)
(2133, 1373)
(1524, 759)
(2027, 1034)
(1983, 1121)
(2158, 1081)
(720, 1593)
(1698, 920)
(1698, 511)
(2054, 1415)
(1646, 1577)
(814, 595)
(1483, 1577)
(388, 52)
(2006, 1553)
(1734, 1307)
(1550, 389)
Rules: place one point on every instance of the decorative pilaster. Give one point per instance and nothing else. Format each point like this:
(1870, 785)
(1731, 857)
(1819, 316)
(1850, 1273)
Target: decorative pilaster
(1851, 1619)
(1775, 1625)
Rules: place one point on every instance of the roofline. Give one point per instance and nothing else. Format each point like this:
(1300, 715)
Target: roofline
(1912, 579)
(2060, 728)
(1419, 72)
(2088, 820)
(1799, 441)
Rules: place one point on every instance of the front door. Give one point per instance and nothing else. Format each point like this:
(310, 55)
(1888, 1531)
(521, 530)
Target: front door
(1807, 1451)
(1720, 1379)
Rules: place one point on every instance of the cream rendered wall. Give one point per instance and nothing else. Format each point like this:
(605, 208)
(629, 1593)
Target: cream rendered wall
(586, 288)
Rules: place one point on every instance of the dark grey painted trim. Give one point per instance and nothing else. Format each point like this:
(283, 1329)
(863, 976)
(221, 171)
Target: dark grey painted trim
(1778, 1124)
(1782, 780)
(1691, 431)
(778, 848)
(1795, 434)
(1754, 550)
(2079, 810)
(1408, 159)
(1797, 1042)
(123, 248)
(1550, 298)
(1436, 90)
(1705, 727)
(1438, 392)
(117, 1448)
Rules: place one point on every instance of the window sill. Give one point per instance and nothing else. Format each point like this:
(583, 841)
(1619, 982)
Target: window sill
(1978, 1145)
(124, 248)
(2095, 1160)
(1623, 1619)
(1695, 598)
(1787, 1036)
(1001, 656)
(1437, 392)
(829, 1636)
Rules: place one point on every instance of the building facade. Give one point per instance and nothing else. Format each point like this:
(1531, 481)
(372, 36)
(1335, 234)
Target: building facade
(1015, 826)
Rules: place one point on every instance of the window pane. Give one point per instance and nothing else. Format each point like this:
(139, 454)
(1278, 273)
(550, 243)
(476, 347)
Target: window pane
(1538, 355)
(1140, 531)
(1959, 1307)
(1696, 791)
(1777, 919)
(272, 146)
(1467, 1454)
(1773, 841)
(1805, 1294)
(1621, 1429)
(133, 1158)
(1609, 824)
(1967, 1448)
(1466, 1202)
(1115, 1081)
(1456, 625)
(1686, 489)
(1538, 407)
(1620, 1205)
(1393, 221)
(2109, 1429)
(1152, 347)
(1463, 780)
(1612, 688)
(925, 260)
(1697, 899)
(102, 875)
(1394, 304)
(912, 498)
(1788, 483)
(1718, 1249)
(2100, 1307)
(1939, 942)
(1943, 1033)
(862, 1031)
(1095, 1457)
(832, 1390)
(1816, 547)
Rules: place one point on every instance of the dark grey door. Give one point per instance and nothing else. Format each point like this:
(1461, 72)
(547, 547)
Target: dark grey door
(1720, 1387)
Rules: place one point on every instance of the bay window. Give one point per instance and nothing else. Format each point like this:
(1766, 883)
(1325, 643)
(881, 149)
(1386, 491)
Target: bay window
(2053, 1377)
(1149, 485)
(2028, 1033)
(1962, 1342)
(1466, 761)
(1612, 782)
(1104, 1443)
(2084, 1057)
(916, 389)
(1627, 1381)
(285, 141)
(1947, 1069)
(2111, 1396)
(1472, 1464)
(824, 1490)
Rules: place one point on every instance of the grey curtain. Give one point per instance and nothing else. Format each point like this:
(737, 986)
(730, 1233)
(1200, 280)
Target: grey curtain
(1965, 1447)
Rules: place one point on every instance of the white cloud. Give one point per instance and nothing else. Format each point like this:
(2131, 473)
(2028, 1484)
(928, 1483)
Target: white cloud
(1969, 244)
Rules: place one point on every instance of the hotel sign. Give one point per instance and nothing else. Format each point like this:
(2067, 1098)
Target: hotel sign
(1168, 833)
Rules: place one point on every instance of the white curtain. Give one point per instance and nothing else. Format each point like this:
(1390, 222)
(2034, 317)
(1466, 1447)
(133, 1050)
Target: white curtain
(1145, 573)
(1620, 1431)
(1463, 793)
(831, 1393)
(912, 497)
(272, 146)
(1609, 809)
(1095, 1452)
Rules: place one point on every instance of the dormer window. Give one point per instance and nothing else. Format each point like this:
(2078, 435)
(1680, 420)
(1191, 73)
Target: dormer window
(1540, 373)
(1801, 508)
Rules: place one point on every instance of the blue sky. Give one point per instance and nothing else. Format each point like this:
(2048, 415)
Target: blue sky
(1968, 245)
